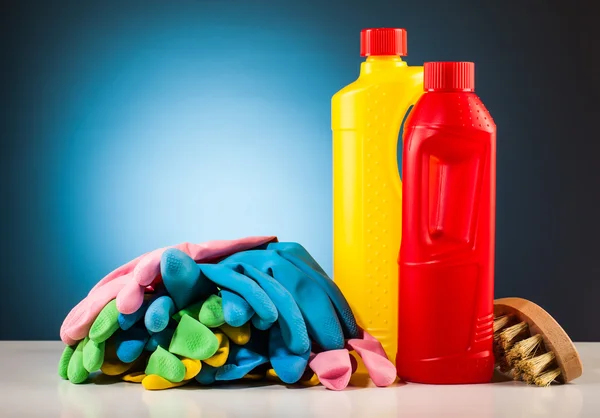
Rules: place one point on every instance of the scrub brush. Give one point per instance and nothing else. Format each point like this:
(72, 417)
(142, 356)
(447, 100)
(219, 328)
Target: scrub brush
(531, 346)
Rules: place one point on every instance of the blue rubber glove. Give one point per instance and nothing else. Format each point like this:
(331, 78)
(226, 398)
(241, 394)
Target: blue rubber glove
(282, 274)
(290, 318)
(181, 274)
(328, 316)
(244, 290)
(130, 343)
(236, 310)
(289, 366)
(299, 257)
(159, 313)
(262, 293)
(126, 321)
(241, 361)
(244, 359)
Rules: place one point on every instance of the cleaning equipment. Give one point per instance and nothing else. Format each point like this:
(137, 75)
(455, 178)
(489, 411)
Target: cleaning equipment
(287, 311)
(129, 283)
(446, 280)
(366, 117)
(310, 307)
(531, 346)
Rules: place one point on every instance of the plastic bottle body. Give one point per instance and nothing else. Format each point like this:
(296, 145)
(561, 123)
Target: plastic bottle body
(367, 192)
(446, 275)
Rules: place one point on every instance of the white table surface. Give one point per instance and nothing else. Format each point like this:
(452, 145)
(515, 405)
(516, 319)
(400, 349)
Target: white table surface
(30, 387)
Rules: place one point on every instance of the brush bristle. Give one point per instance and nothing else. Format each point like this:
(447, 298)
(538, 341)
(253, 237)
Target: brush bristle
(534, 366)
(507, 337)
(500, 322)
(520, 355)
(524, 349)
(546, 378)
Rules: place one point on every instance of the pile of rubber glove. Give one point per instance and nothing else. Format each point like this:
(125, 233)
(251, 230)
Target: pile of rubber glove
(220, 311)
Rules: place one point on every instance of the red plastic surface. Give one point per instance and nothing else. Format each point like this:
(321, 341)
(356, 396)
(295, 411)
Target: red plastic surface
(449, 76)
(447, 251)
(383, 41)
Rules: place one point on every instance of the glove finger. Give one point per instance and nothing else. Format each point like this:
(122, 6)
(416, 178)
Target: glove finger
(191, 310)
(211, 313)
(130, 298)
(258, 323)
(237, 335)
(144, 274)
(155, 382)
(134, 377)
(162, 339)
(193, 340)
(256, 297)
(76, 325)
(128, 283)
(126, 321)
(290, 318)
(192, 368)
(130, 344)
(124, 270)
(165, 365)
(76, 372)
(182, 279)
(241, 361)
(93, 356)
(106, 323)
(317, 310)
(299, 257)
(220, 357)
(381, 370)
(148, 268)
(299, 251)
(289, 366)
(236, 311)
(159, 314)
(333, 368)
(65, 358)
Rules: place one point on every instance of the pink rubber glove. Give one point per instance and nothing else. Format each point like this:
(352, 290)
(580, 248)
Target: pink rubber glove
(129, 282)
(334, 368)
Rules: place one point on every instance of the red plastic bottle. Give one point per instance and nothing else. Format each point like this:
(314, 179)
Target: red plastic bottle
(446, 288)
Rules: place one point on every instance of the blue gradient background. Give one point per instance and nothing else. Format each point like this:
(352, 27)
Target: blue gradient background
(131, 125)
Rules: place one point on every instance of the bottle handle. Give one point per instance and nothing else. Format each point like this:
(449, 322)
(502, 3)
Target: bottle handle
(415, 91)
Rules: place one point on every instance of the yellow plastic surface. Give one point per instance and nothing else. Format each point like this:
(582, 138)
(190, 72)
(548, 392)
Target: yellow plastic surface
(367, 191)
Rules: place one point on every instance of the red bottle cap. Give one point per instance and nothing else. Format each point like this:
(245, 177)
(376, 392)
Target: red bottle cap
(382, 41)
(449, 76)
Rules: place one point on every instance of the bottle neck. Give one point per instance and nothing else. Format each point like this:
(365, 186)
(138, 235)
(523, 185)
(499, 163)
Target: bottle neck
(376, 63)
(449, 90)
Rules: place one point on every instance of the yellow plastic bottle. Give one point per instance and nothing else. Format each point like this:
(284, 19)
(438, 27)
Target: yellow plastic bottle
(367, 192)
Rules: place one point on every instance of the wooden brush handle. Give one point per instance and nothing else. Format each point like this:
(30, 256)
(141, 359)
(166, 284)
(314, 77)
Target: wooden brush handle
(555, 338)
